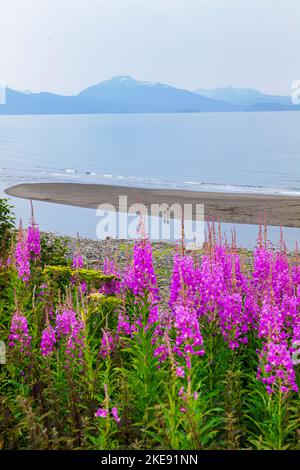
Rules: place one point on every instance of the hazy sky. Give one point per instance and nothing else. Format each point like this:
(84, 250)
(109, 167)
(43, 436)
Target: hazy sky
(67, 45)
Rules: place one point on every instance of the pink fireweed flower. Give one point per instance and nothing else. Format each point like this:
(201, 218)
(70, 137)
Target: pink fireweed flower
(276, 368)
(212, 286)
(101, 413)
(161, 352)
(22, 256)
(107, 344)
(164, 323)
(113, 286)
(19, 333)
(140, 279)
(114, 412)
(262, 270)
(68, 325)
(140, 276)
(76, 341)
(234, 321)
(48, 340)
(33, 241)
(83, 287)
(124, 326)
(188, 341)
(65, 321)
(222, 277)
(78, 263)
(185, 281)
(271, 321)
(291, 306)
(282, 280)
(180, 372)
(252, 309)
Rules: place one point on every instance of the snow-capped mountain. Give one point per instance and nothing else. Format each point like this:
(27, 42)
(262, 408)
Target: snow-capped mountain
(141, 96)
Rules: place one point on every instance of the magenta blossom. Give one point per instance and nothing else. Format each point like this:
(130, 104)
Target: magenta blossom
(107, 344)
(68, 325)
(48, 340)
(78, 263)
(113, 286)
(19, 333)
(101, 413)
(140, 279)
(33, 241)
(114, 412)
(180, 372)
(22, 258)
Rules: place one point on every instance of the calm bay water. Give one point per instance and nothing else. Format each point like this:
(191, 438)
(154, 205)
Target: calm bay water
(235, 152)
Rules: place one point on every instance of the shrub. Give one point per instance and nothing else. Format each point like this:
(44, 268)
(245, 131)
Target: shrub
(53, 250)
(7, 223)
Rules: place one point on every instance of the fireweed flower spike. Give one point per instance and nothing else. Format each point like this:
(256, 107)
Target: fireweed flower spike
(180, 372)
(48, 340)
(188, 341)
(101, 413)
(76, 341)
(276, 368)
(234, 322)
(124, 326)
(69, 326)
(114, 412)
(19, 333)
(78, 263)
(65, 321)
(107, 344)
(185, 281)
(33, 240)
(140, 278)
(104, 413)
(22, 256)
(113, 286)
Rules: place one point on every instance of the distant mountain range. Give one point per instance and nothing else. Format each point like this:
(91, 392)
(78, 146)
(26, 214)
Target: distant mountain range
(142, 97)
(124, 94)
(248, 99)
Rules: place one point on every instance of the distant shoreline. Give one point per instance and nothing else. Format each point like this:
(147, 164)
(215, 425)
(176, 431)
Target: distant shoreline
(227, 207)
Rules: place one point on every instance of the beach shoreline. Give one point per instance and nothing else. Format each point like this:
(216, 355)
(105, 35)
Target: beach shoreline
(273, 210)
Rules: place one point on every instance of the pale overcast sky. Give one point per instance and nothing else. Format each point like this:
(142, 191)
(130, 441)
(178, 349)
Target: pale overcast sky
(67, 45)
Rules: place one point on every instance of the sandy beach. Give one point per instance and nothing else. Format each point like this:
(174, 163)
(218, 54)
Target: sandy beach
(231, 208)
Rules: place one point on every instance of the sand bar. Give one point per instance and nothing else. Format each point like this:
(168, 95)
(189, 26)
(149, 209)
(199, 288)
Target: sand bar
(226, 207)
